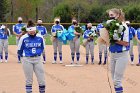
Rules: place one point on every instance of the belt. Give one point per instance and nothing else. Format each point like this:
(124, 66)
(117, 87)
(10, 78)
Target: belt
(33, 56)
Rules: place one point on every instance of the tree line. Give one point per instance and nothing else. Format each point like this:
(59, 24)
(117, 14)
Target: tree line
(83, 10)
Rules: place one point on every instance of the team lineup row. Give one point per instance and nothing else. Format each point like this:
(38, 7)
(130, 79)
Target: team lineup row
(74, 43)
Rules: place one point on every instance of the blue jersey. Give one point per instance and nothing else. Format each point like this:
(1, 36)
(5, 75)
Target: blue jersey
(42, 30)
(131, 32)
(120, 48)
(17, 28)
(30, 47)
(99, 27)
(87, 33)
(138, 33)
(71, 27)
(57, 27)
(4, 34)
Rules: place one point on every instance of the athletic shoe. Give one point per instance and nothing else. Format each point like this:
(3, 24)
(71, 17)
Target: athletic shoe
(104, 63)
(6, 61)
(61, 62)
(44, 62)
(72, 62)
(138, 64)
(77, 62)
(99, 63)
(54, 62)
(92, 62)
(132, 63)
(19, 61)
(1, 61)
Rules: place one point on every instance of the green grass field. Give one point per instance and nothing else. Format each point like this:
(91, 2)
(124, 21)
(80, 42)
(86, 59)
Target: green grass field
(12, 40)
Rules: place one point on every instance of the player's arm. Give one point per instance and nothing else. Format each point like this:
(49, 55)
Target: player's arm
(20, 47)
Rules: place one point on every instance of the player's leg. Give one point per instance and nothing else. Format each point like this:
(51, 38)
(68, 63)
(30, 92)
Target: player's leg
(28, 71)
(6, 50)
(19, 60)
(92, 52)
(44, 56)
(131, 51)
(77, 48)
(105, 54)
(1, 50)
(55, 50)
(100, 54)
(138, 64)
(60, 51)
(87, 52)
(112, 65)
(72, 48)
(121, 63)
(40, 74)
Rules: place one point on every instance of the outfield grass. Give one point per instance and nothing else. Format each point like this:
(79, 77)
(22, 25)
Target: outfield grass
(12, 40)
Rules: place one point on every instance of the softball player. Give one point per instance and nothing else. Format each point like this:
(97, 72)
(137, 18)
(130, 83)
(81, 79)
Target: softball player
(131, 36)
(75, 43)
(119, 51)
(138, 44)
(57, 44)
(30, 48)
(43, 31)
(4, 33)
(102, 47)
(89, 43)
(17, 31)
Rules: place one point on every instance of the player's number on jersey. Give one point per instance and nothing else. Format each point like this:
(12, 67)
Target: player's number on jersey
(33, 50)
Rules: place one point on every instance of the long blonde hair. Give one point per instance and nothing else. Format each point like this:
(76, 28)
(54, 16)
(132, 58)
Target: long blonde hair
(119, 12)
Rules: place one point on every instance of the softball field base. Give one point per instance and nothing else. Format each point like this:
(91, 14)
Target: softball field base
(67, 79)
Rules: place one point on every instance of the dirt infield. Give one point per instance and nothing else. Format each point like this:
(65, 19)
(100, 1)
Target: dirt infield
(60, 79)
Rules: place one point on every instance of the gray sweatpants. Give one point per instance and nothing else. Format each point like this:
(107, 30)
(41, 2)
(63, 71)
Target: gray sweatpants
(75, 46)
(103, 48)
(3, 46)
(33, 64)
(57, 45)
(90, 48)
(131, 47)
(138, 44)
(118, 63)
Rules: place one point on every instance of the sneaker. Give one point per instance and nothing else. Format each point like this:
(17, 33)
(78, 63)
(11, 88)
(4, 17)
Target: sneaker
(104, 63)
(1, 61)
(132, 63)
(77, 62)
(54, 62)
(61, 62)
(138, 64)
(99, 63)
(72, 62)
(44, 62)
(92, 62)
(6, 61)
(19, 61)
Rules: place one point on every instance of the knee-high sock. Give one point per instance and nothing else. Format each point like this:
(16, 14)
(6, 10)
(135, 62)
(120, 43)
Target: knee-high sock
(55, 56)
(42, 89)
(44, 57)
(6, 56)
(60, 56)
(100, 57)
(132, 58)
(28, 88)
(78, 56)
(72, 56)
(92, 59)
